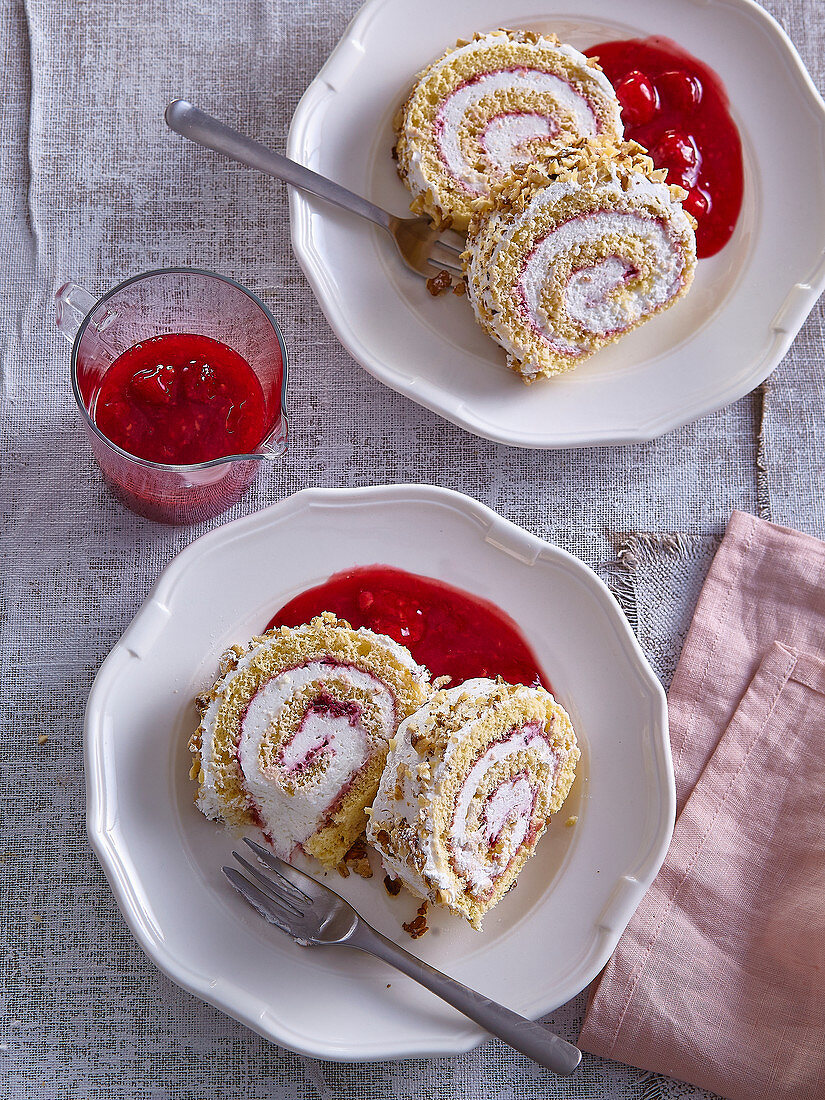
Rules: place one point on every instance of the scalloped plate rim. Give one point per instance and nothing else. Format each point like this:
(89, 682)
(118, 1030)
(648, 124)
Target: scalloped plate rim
(101, 801)
(457, 411)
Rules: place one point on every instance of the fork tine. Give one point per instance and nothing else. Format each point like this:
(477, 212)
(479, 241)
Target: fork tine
(272, 889)
(291, 889)
(454, 249)
(441, 257)
(257, 899)
(440, 265)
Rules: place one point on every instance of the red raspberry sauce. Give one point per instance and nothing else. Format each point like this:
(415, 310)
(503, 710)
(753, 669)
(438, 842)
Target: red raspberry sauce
(677, 108)
(180, 399)
(446, 629)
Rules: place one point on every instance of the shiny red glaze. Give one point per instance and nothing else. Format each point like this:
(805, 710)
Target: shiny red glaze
(638, 98)
(180, 399)
(675, 149)
(446, 629)
(693, 105)
(697, 203)
(679, 88)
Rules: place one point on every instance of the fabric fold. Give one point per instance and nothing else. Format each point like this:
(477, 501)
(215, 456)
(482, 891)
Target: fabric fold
(766, 584)
(718, 979)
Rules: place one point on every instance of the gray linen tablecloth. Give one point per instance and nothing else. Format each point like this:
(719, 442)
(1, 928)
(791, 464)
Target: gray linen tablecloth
(95, 187)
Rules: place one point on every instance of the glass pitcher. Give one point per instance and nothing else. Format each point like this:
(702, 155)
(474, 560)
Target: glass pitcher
(174, 300)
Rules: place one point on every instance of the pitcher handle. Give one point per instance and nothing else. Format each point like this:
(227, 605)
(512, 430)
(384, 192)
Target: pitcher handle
(72, 305)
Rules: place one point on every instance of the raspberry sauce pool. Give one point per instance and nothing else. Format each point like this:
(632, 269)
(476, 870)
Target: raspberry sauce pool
(179, 399)
(677, 108)
(450, 631)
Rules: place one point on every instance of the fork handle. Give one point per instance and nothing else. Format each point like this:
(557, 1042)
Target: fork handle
(201, 128)
(526, 1036)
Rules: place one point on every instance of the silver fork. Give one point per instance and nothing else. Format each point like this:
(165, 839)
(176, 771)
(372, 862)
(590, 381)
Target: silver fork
(417, 240)
(313, 915)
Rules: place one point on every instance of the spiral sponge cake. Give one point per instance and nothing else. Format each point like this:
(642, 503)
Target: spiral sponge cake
(468, 789)
(569, 255)
(488, 104)
(294, 735)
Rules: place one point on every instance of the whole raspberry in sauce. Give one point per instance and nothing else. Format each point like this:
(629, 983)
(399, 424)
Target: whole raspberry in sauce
(639, 99)
(677, 108)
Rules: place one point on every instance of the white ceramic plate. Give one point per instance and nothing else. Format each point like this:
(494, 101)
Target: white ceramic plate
(746, 305)
(544, 942)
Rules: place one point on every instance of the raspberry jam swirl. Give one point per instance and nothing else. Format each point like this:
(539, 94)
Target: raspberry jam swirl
(309, 731)
(604, 297)
(480, 123)
(577, 260)
(501, 100)
(495, 811)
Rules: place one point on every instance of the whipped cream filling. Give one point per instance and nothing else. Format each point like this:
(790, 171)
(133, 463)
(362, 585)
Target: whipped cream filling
(316, 735)
(471, 856)
(474, 861)
(591, 299)
(609, 312)
(512, 802)
(588, 291)
(451, 116)
(291, 812)
(505, 138)
(473, 181)
(209, 797)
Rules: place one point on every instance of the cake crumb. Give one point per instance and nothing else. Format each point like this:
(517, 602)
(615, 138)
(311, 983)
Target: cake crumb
(343, 870)
(418, 925)
(42, 739)
(356, 860)
(571, 821)
(439, 283)
(392, 886)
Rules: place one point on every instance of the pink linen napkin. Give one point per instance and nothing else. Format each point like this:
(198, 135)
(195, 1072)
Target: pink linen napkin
(719, 979)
